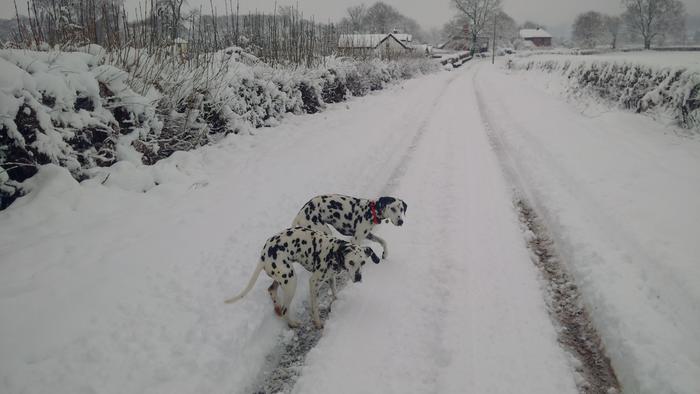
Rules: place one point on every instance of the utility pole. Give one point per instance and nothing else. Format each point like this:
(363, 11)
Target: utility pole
(493, 48)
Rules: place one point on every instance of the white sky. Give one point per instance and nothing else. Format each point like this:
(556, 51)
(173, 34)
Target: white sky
(428, 13)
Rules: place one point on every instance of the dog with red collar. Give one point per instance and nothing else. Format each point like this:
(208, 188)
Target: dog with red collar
(351, 216)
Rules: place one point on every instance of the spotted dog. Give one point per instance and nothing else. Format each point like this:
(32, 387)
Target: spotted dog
(320, 254)
(352, 217)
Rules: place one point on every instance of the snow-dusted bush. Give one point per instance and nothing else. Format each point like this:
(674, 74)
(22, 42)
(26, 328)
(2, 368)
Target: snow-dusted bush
(66, 109)
(92, 108)
(641, 88)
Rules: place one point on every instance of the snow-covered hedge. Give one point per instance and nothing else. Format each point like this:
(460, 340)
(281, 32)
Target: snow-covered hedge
(673, 90)
(80, 109)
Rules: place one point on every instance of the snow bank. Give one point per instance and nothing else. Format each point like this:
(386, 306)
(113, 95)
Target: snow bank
(92, 108)
(641, 82)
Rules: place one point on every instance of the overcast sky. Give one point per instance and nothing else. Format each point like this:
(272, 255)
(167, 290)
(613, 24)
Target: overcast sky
(434, 13)
(428, 13)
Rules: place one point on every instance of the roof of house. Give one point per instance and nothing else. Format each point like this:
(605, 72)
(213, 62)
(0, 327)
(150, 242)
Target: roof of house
(534, 33)
(365, 40)
(403, 37)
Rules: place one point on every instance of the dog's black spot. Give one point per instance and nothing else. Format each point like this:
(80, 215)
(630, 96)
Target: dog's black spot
(274, 266)
(289, 234)
(285, 281)
(336, 215)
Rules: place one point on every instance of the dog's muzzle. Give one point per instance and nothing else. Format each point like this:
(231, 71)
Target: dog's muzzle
(400, 222)
(357, 278)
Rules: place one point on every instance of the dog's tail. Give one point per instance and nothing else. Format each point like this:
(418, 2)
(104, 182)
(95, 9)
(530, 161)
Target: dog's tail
(252, 281)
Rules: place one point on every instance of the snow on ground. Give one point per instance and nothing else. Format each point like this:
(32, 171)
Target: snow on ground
(456, 308)
(619, 191)
(117, 284)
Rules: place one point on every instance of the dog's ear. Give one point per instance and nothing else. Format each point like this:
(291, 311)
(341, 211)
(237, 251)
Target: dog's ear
(370, 253)
(405, 206)
(383, 202)
(339, 255)
(343, 247)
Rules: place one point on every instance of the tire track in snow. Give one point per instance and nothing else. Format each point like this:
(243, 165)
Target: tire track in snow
(576, 333)
(283, 365)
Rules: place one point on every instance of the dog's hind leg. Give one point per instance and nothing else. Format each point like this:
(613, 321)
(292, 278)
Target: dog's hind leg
(313, 298)
(289, 286)
(273, 294)
(375, 238)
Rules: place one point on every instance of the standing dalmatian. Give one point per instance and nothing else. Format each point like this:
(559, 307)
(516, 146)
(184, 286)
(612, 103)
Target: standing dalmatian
(320, 254)
(352, 217)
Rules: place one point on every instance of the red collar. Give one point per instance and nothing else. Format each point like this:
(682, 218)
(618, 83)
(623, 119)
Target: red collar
(373, 208)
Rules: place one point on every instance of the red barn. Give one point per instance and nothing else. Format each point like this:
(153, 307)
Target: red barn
(539, 37)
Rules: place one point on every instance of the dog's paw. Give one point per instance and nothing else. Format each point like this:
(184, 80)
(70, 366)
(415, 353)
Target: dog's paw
(318, 324)
(278, 310)
(293, 323)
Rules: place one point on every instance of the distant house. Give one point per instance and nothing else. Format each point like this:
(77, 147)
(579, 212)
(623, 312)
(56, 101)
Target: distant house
(539, 37)
(370, 45)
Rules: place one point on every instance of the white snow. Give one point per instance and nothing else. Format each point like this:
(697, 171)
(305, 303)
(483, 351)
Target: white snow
(116, 284)
(651, 58)
(619, 192)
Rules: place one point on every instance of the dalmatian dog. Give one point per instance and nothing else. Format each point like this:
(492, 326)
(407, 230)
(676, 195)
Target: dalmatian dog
(320, 254)
(352, 217)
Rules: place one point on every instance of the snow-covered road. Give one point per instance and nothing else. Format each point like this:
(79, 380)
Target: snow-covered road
(118, 287)
(116, 284)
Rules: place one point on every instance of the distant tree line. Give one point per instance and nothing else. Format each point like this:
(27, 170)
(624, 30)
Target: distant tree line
(379, 18)
(655, 22)
(284, 36)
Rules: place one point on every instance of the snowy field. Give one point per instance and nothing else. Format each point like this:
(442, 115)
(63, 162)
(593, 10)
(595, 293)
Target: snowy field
(116, 284)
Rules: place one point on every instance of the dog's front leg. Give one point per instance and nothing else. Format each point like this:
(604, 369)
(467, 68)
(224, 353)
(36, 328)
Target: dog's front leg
(313, 292)
(375, 238)
(334, 290)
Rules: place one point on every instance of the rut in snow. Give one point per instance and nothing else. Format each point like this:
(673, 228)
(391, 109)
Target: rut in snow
(576, 332)
(284, 363)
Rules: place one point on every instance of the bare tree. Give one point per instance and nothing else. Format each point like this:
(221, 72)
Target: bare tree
(478, 13)
(506, 28)
(382, 18)
(613, 24)
(589, 29)
(653, 19)
(356, 17)
(172, 10)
